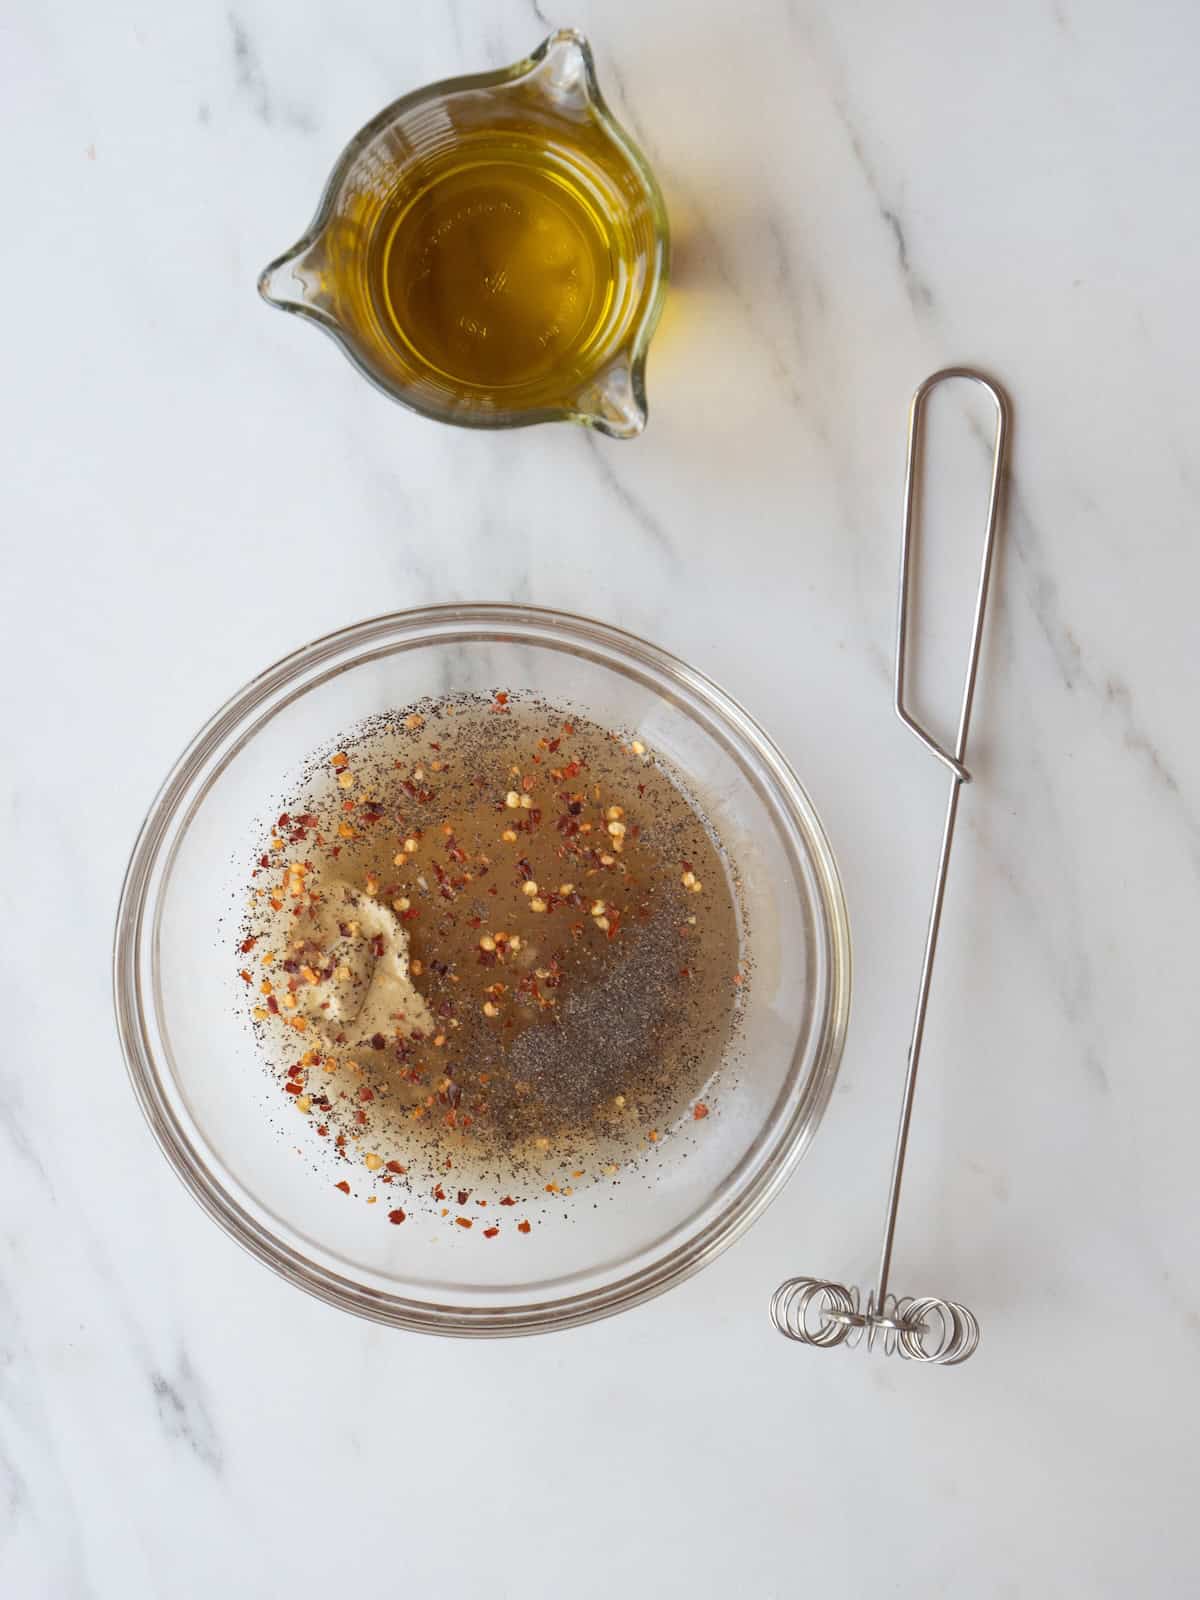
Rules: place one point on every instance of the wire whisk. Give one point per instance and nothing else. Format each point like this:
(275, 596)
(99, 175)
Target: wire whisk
(816, 1311)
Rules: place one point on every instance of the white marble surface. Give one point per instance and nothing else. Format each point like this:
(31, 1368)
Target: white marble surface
(192, 485)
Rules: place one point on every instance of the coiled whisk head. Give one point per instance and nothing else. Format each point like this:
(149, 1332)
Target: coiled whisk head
(821, 1314)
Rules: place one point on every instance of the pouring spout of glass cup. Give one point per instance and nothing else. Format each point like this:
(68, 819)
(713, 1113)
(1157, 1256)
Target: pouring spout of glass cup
(294, 281)
(614, 400)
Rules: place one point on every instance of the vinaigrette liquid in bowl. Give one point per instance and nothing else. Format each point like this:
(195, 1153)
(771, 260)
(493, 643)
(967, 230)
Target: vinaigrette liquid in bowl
(493, 957)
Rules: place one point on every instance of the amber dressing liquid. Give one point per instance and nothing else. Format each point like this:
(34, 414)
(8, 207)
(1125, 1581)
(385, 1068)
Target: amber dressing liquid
(499, 270)
(582, 987)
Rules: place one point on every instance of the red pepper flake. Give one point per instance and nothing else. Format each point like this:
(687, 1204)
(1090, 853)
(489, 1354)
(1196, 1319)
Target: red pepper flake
(264, 861)
(396, 1216)
(463, 1196)
(360, 1118)
(395, 1166)
(293, 1088)
(465, 1222)
(699, 1111)
(323, 1130)
(490, 1233)
(439, 1193)
(365, 1094)
(272, 1004)
(343, 1186)
(501, 698)
(508, 1201)
(245, 976)
(522, 1227)
(568, 727)
(248, 944)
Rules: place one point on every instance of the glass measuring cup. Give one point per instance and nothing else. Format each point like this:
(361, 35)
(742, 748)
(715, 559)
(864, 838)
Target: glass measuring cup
(491, 251)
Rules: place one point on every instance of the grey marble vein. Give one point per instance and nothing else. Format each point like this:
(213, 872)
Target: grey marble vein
(248, 71)
(1119, 696)
(1112, 695)
(184, 1414)
(15, 1495)
(707, 244)
(638, 513)
(251, 81)
(918, 290)
(1105, 687)
(37, 1509)
(790, 287)
(14, 1129)
(541, 17)
(816, 34)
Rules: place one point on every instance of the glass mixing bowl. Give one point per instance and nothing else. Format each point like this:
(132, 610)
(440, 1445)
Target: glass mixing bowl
(196, 1069)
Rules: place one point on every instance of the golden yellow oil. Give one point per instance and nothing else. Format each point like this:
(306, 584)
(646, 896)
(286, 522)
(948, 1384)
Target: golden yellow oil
(497, 270)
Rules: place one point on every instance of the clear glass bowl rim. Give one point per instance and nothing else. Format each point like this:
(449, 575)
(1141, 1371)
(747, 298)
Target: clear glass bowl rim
(166, 821)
